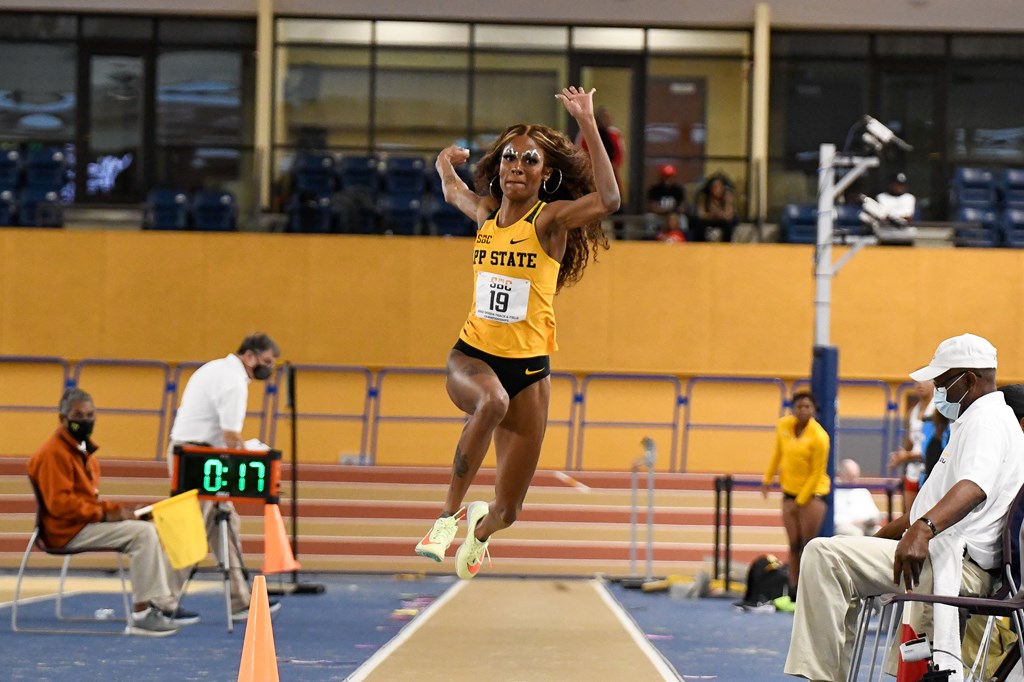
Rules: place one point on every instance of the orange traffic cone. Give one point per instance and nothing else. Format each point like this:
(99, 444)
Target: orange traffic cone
(259, 658)
(277, 551)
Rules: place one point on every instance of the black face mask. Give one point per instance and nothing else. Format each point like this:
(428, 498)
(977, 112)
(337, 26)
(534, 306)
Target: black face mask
(262, 372)
(80, 429)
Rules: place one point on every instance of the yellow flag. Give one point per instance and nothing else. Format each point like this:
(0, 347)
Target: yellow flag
(179, 523)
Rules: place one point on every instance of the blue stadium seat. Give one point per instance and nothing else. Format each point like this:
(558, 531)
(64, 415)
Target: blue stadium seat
(166, 209)
(359, 171)
(799, 224)
(446, 220)
(974, 188)
(310, 214)
(8, 208)
(1013, 188)
(1013, 228)
(978, 228)
(313, 173)
(40, 208)
(213, 211)
(45, 169)
(401, 213)
(405, 175)
(10, 170)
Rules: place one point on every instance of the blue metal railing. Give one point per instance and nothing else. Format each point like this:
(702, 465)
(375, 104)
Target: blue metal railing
(673, 425)
(370, 392)
(679, 422)
(690, 426)
(50, 407)
(160, 413)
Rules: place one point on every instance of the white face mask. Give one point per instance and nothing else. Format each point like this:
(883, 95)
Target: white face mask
(947, 409)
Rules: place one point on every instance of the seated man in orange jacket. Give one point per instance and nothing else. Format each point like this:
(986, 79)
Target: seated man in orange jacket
(74, 517)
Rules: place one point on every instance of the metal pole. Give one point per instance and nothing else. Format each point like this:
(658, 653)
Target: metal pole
(728, 529)
(718, 525)
(649, 459)
(823, 248)
(632, 522)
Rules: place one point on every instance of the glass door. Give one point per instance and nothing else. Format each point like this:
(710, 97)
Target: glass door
(619, 80)
(110, 164)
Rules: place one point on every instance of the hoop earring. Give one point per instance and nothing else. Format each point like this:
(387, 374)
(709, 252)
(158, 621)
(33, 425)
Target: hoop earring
(490, 188)
(544, 185)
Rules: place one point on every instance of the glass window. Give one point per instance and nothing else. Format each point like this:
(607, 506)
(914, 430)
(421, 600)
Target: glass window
(909, 45)
(697, 119)
(521, 37)
(201, 99)
(37, 91)
(422, 99)
(207, 32)
(984, 114)
(703, 42)
(127, 28)
(596, 38)
(39, 26)
(319, 31)
(323, 97)
(811, 102)
(515, 88)
(820, 45)
(422, 33)
(988, 46)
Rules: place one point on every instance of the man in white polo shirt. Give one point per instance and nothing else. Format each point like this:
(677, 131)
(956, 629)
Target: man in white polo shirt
(963, 501)
(212, 412)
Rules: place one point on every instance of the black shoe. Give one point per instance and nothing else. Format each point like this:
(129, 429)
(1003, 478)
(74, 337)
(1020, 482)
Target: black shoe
(180, 616)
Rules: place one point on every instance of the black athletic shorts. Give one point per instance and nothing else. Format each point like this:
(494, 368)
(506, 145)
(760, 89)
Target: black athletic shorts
(515, 374)
(789, 496)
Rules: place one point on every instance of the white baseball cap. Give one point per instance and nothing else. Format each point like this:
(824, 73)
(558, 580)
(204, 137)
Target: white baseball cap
(966, 350)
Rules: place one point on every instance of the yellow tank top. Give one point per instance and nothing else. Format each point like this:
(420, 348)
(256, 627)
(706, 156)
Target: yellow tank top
(512, 315)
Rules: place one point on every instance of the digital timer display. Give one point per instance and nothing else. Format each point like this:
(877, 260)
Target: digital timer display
(228, 474)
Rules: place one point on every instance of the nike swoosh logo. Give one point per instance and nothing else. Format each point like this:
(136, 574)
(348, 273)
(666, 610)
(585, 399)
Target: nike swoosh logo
(426, 540)
(475, 568)
(518, 241)
(534, 371)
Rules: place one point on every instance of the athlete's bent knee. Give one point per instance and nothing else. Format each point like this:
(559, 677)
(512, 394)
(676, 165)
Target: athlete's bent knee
(492, 407)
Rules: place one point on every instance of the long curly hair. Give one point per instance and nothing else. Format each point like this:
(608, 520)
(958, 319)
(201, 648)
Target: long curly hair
(565, 158)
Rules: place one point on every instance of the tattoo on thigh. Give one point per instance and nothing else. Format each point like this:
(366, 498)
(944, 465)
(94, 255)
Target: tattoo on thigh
(461, 465)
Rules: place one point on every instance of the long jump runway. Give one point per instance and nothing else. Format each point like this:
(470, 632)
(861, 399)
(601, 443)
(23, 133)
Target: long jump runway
(511, 629)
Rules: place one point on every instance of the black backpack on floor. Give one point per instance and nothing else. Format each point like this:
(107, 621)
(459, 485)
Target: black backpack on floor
(767, 579)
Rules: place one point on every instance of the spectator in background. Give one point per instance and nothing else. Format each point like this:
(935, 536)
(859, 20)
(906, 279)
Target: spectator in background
(800, 459)
(1013, 394)
(715, 210)
(855, 510)
(666, 206)
(896, 200)
(670, 233)
(909, 459)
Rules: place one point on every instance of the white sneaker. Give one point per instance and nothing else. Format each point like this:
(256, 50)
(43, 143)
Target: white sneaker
(435, 543)
(471, 553)
(152, 624)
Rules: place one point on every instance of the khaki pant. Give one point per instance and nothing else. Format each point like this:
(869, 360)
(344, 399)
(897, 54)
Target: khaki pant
(240, 592)
(835, 573)
(148, 565)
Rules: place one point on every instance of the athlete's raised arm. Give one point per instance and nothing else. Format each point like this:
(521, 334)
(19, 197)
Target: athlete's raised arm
(456, 192)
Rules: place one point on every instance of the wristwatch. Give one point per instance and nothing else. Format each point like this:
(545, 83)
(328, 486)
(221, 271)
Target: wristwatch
(928, 522)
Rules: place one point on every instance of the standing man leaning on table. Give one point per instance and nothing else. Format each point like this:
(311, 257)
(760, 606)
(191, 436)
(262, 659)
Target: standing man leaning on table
(212, 412)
